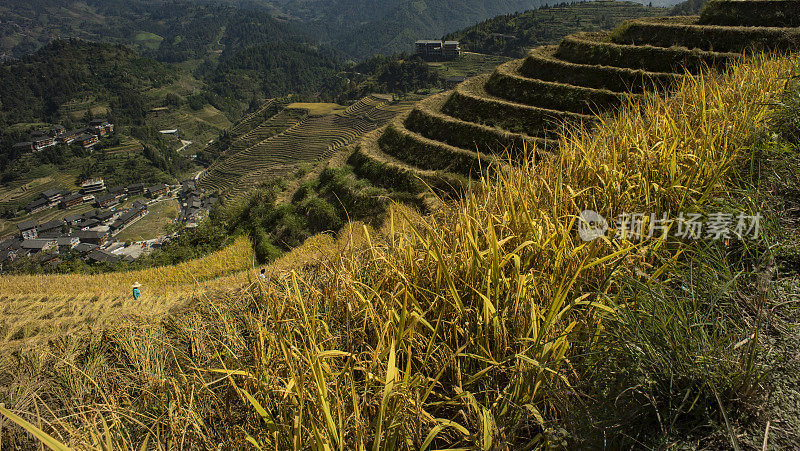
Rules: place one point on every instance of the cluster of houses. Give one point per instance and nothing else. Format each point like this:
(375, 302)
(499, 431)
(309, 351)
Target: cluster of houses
(193, 203)
(87, 137)
(90, 235)
(83, 234)
(93, 191)
(432, 50)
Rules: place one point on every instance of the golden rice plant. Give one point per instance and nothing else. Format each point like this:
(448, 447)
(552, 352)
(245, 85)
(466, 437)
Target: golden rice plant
(450, 331)
(234, 258)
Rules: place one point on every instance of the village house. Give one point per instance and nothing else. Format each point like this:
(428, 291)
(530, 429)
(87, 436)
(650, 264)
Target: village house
(453, 81)
(37, 205)
(125, 219)
(101, 256)
(157, 191)
(26, 146)
(118, 190)
(49, 257)
(98, 237)
(87, 140)
(67, 243)
(43, 142)
(109, 200)
(101, 127)
(451, 49)
(51, 229)
(71, 200)
(84, 248)
(9, 249)
(53, 196)
(72, 220)
(135, 189)
(68, 137)
(27, 230)
(437, 50)
(93, 186)
(104, 216)
(34, 246)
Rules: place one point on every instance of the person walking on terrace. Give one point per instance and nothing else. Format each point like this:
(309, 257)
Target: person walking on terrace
(136, 293)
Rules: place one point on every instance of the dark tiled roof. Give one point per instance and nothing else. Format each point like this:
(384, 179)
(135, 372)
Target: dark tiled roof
(103, 256)
(36, 244)
(66, 240)
(27, 225)
(72, 197)
(90, 235)
(84, 247)
(37, 203)
(50, 225)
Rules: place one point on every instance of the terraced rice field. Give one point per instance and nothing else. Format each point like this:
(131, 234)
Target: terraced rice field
(263, 151)
(252, 120)
(34, 309)
(126, 146)
(515, 111)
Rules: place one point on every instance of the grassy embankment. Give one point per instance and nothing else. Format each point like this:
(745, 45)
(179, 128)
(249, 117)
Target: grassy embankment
(154, 224)
(479, 327)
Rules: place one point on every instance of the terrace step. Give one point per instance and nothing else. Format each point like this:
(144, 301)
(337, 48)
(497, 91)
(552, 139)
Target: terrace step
(753, 13)
(417, 150)
(597, 48)
(507, 83)
(685, 32)
(542, 63)
(381, 169)
(470, 102)
(428, 120)
(251, 120)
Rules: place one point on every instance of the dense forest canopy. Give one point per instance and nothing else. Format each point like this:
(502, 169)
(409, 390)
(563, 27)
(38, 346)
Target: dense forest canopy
(513, 34)
(182, 30)
(40, 87)
(35, 86)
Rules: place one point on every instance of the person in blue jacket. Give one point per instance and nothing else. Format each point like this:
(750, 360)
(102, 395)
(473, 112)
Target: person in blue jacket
(136, 293)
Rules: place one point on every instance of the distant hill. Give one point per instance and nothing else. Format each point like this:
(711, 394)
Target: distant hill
(511, 35)
(68, 82)
(35, 87)
(239, 48)
(398, 27)
(363, 28)
(275, 69)
(165, 30)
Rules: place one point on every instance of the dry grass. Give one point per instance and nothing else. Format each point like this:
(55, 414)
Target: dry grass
(317, 109)
(449, 331)
(38, 308)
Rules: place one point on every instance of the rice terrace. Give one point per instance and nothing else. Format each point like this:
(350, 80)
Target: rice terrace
(590, 245)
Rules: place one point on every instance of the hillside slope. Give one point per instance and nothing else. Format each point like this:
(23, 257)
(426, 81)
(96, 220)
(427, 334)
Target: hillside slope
(300, 133)
(512, 35)
(490, 325)
(522, 105)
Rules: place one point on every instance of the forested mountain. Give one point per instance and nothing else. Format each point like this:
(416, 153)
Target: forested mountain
(36, 86)
(363, 28)
(166, 30)
(181, 30)
(275, 69)
(42, 88)
(395, 25)
(512, 35)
